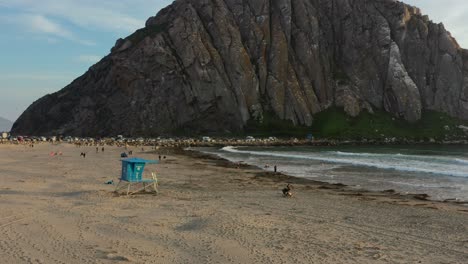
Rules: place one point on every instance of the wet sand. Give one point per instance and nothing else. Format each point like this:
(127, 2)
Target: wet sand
(59, 210)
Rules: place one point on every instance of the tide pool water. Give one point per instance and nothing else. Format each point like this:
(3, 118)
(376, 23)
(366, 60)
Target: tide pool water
(440, 171)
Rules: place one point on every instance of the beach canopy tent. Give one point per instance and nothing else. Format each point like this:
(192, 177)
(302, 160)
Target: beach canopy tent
(132, 179)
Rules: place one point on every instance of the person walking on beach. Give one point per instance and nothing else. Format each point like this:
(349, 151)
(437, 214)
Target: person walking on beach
(274, 168)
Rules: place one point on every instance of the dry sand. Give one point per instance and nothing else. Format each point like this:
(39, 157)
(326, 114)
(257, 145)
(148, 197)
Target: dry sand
(58, 210)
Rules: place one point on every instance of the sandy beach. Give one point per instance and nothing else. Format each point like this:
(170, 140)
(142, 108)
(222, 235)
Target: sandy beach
(59, 210)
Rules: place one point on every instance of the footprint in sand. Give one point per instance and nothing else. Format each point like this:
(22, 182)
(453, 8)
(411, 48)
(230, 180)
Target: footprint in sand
(110, 256)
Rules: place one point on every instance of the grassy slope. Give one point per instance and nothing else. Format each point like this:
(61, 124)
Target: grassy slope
(334, 123)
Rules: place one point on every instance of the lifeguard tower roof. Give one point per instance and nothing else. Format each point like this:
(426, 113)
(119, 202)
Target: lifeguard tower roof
(132, 169)
(132, 174)
(139, 160)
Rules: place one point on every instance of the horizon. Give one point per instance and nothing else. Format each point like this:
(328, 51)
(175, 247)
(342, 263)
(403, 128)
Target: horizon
(45, 46)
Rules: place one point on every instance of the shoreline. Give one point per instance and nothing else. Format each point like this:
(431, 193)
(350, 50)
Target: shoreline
(338, 188)
(60, 209)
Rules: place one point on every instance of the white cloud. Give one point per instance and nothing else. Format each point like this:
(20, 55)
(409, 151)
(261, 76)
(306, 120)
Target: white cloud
(56, 22)
(56, 18)
(40, 24)
(117, 16)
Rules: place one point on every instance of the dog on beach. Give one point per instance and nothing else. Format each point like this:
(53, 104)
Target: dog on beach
(287, 192)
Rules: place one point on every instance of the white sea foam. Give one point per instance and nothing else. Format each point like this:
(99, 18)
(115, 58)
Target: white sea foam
(462, 161)
(400, 162)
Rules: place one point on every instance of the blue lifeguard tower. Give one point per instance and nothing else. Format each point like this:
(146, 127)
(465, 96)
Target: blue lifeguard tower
(132, 179)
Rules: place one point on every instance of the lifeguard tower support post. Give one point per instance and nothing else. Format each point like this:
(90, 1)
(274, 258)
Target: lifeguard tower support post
(132, 176)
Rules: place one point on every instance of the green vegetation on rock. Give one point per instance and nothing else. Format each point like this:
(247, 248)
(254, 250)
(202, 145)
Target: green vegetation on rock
(334, 123)
(271, 125)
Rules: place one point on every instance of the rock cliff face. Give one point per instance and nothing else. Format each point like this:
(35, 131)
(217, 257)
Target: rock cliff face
(212, 65)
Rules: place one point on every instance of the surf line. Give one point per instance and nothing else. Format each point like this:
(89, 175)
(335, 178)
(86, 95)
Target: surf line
(355, 162)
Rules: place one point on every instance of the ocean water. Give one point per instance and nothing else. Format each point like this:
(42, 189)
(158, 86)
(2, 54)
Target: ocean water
(439, 171)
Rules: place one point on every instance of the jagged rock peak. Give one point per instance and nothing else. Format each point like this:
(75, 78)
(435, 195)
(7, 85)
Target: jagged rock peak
(213, 65)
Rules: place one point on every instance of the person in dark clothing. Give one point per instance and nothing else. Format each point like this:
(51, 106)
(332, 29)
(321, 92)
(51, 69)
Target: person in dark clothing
(287, 192)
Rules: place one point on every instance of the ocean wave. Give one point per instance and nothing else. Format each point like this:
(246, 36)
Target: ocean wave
(364, 154)
(409, 164)
(430, 158)
(230, 149)
(462, 161)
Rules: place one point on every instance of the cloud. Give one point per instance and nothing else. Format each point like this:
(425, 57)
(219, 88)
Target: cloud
(116, 16)
(65, 18)
(88, 58)
(40, 24)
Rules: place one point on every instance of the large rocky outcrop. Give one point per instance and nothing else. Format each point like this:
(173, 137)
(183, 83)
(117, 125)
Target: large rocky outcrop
(212, 65)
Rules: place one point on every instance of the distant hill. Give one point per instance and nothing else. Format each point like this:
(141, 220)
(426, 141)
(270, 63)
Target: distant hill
(5, 125)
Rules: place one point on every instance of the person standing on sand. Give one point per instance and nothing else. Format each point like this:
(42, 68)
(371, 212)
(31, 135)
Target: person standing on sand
(274, 168)
(102, 149)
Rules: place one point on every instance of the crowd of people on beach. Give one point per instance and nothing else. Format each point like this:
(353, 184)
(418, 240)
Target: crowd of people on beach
(210, 142)
(155, 144)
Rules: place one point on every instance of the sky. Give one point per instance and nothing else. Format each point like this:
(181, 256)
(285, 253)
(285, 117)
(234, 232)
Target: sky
(46, 44)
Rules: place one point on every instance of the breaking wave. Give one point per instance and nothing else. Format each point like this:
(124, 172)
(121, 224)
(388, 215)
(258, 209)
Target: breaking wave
(401, 162)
